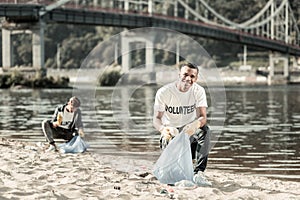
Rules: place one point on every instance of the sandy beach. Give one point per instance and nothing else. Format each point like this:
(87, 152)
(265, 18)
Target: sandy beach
(27, 171)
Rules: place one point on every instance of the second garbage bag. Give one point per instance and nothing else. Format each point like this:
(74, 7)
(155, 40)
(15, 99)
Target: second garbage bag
(76, 145)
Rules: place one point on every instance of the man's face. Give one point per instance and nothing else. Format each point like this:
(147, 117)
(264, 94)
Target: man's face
(71, 108)
(187, 76)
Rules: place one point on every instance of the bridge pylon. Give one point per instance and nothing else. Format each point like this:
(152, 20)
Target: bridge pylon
(127, 38)
(7, 49)
(278, 76)
(37, 32)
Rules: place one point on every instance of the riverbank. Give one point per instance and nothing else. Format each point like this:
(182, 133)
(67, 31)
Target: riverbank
(25, 77)
(226, 76)
(63, 78)
(27, 171)
(236, 77)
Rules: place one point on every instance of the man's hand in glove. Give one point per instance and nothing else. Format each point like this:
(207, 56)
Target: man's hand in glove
(168, 132)
(81, 133)
(191, 128)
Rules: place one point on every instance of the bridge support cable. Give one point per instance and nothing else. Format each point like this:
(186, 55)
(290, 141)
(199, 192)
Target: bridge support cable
(53, 6)
(231, 24)
(273, 21)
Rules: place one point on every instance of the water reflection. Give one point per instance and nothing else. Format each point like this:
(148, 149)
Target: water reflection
(260, 136)
(127, 122)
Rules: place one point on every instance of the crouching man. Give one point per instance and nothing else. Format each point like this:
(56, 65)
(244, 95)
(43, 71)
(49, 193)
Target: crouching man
(181, 105)
(66, 123)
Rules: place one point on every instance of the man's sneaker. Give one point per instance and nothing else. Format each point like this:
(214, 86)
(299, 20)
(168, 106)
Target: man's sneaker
(52, 148)
(200, 180)
(185, 183)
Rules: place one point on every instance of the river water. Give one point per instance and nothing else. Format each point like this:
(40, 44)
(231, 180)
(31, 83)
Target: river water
(261, 132)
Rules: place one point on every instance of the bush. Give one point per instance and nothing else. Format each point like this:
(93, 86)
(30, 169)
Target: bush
(17, 79)
(4, 81)
(110, 77)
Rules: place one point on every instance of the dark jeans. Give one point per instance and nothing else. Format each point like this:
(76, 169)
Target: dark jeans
(52, 133)
(200, 146)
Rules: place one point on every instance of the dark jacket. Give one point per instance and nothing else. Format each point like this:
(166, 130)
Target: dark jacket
(76, 122)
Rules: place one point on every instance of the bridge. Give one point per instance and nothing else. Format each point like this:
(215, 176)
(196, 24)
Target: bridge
(273, 28)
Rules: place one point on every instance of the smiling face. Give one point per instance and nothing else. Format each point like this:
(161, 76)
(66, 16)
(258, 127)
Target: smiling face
(73, 104)
(71, 108)
(187, 76)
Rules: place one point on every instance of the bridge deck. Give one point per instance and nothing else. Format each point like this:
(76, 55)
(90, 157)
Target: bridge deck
(30, 13)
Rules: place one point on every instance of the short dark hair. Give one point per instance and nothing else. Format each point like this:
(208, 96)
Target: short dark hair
(190, 65)
(75, 101)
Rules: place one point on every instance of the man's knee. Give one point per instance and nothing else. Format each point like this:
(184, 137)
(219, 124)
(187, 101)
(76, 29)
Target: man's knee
(46, 125)
(45, 121)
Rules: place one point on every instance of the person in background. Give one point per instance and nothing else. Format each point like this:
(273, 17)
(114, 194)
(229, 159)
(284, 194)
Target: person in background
(66, 123)
(181, 106)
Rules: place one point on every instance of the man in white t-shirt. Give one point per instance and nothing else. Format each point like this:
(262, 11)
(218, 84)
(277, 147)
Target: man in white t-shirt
(181, 105)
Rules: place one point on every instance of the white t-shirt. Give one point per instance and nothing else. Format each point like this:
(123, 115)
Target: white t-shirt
(67, 118)
(179, 107)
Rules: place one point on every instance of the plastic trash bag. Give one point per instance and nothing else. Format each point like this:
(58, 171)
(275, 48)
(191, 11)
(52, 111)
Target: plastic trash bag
(175, 163)
(75, 145)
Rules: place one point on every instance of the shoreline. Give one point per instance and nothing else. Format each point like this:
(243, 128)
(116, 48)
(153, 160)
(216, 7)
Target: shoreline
(28, 172)
(227, 77)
